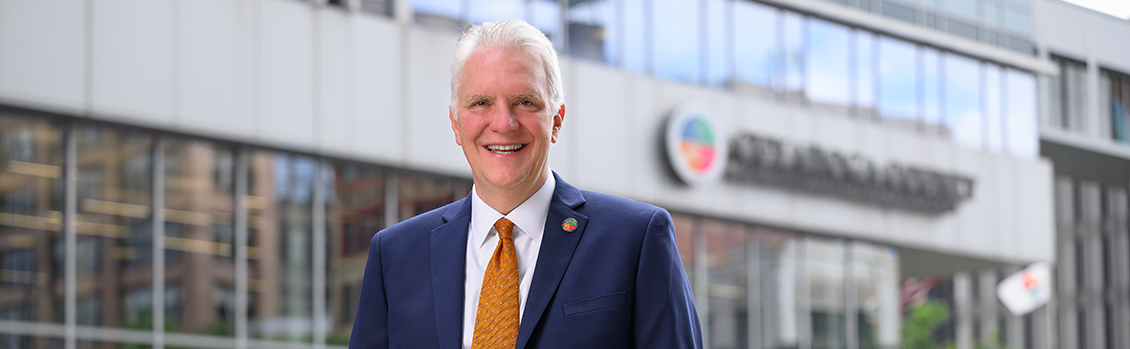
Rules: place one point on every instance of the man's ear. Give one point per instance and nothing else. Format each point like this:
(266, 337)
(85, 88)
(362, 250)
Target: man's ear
(557, 120)
(454, 127)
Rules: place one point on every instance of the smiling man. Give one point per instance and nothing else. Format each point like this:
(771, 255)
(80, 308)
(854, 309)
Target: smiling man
(526, 260)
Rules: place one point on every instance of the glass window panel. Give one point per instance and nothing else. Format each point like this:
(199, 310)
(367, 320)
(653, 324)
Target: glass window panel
(31, 236)
(931, 70)
(684, 241)
(989, 14)
(382, 7)
(1020, 107)
(1117, 106)
(592, 31)
(1021, 45)
(898, 82)
(1069, 105)
(546, 15)
(355, 211)
(114, 248)
(875, 269)
(825, 269)
(777, 256)
(967, 8)
(756, 56)
(419, 193)
(963, 119)
(481, 11)
(676, 38)
(637, 54)
(961, 28)
(864, 72)
(726, 265)
(199, 237)
(994, 137)
(280, 194)
(718, 58)
(1017, 22)
(898, 11)
(794, 54)
(827, 79)
(439, 13)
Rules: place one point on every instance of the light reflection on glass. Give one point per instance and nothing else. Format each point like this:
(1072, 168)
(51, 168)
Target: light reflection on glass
(279, 246)
(676, 39)
(777, 271)
(718, 58)
(793, 47)
(31, 237)
(827, 80)
(1022, 137)
(481, 11)
(931, 108)
(825, 273)
(114, 243)
(199, 237)
(593, 29)
(993, 127)
(898, 82)
(756, 56)
(963, 100)
(875, 269)
(864, 73)
(636, 47)
(726, 265)
(355, 211)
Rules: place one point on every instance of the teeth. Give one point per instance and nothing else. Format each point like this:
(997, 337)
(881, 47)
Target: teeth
(504, 149)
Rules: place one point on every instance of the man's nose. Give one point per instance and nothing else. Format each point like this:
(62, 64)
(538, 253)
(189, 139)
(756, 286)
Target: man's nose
(504, 120)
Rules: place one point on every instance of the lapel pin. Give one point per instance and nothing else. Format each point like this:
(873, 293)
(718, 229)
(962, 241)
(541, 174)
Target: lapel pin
(570, 224)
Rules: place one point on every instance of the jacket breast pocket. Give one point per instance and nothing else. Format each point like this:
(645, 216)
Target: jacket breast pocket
(584, 306)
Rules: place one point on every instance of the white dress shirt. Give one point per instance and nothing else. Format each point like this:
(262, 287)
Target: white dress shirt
(529, 223)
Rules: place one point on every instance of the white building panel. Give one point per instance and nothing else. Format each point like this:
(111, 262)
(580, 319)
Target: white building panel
(47, 69)
(216, 68)
(431, 143)
(600, 119)
(334, 86)
(286, 73)
(377, 97)
(132, 65)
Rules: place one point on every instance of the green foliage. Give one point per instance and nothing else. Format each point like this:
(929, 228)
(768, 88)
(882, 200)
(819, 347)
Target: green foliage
(920, 323)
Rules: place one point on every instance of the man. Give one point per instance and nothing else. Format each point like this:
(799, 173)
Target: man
(526, 260)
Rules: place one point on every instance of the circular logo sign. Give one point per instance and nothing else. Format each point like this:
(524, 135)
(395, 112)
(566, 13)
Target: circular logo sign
(696, 147)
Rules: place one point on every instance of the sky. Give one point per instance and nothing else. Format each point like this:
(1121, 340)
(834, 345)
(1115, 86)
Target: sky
(1117, 8)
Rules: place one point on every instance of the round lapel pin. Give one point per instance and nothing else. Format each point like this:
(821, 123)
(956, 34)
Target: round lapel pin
(570, 224)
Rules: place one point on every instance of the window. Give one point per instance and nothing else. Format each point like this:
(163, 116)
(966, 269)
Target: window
(864, 73)
(593, 26)
(1068, 92)
(1022, 138)
(355, 211)
(676, 39)
(898, 82)
(756, 57)
(993, 118)
(718, 56)
(828, 79)
(793, 46)
(1115, 104)
(963, 116)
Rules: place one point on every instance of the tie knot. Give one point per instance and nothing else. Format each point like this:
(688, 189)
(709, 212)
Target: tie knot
(505, 228)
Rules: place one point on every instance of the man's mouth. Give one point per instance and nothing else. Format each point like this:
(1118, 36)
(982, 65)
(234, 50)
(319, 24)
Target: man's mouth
(505, 149)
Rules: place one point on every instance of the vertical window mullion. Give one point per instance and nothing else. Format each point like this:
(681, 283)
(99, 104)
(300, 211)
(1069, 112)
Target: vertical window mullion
(158, 230)
(318, 255)
(241, 300)
(70, 209)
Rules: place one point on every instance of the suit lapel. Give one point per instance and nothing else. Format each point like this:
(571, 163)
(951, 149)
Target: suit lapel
(448, 258)
(557, 246)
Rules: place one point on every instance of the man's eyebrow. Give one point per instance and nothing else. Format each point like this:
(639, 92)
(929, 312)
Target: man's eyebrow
(476, 98)
(533, 97)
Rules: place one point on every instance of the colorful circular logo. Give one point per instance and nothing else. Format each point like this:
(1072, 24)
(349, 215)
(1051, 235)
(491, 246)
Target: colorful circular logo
(695, 146)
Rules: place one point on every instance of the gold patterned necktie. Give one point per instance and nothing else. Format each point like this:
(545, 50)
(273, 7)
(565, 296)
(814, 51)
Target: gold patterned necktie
(496, 323)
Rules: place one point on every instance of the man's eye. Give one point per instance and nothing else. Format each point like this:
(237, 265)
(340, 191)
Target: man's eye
(479, 103)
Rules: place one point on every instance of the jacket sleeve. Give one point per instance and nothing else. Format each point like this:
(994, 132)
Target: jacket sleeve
(664, 314)
(370, 325)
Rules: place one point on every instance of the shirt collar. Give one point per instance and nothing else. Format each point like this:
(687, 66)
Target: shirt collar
(529, 217)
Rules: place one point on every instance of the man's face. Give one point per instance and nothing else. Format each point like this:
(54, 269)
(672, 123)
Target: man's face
(505, 123)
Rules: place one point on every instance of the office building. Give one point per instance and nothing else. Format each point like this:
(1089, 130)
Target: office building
(207, 174)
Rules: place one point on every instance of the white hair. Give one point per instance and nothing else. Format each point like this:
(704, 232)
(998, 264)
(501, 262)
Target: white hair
(511, 34)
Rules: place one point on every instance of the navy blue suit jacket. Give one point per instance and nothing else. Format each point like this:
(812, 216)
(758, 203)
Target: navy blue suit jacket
(614, 282)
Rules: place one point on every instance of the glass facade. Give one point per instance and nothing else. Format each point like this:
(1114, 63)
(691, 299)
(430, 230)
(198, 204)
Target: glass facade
(757, 49)
(157, 221)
